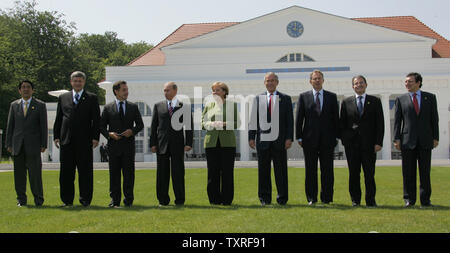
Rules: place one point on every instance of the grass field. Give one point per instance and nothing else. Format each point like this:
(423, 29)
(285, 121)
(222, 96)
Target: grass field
(244, 216)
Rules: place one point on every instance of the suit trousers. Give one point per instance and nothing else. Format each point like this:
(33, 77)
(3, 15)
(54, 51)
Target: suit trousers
(121, 165)
(169, 163)
(220, 163)
(279, 158)
(410, 158)
(356, 157)
(325, 156)
(76, 156)
(32, 164)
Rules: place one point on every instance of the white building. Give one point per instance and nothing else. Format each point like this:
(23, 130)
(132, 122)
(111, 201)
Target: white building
(291, 42)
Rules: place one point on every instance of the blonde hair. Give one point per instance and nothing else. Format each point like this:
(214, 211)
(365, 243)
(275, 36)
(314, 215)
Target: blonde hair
(221, 85)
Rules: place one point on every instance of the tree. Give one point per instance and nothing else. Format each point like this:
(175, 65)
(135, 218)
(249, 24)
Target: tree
(40, 46)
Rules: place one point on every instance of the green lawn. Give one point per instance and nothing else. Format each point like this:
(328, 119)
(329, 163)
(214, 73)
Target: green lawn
(244, 216)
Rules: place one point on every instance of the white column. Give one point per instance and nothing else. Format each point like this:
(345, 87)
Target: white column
(441, 152)
(55, 152)
(386, 151)
(245, 152)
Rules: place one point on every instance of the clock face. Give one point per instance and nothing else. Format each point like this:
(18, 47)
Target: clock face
(294, 29)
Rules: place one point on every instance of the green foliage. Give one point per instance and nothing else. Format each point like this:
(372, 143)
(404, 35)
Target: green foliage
(41, 46)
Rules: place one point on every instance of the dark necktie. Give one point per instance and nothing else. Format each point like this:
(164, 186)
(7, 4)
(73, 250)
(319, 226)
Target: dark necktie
(270, 103)
(170, 109)
(77, 98)
(416, 104)
(318, 103)
(122, 113)
(360, 106)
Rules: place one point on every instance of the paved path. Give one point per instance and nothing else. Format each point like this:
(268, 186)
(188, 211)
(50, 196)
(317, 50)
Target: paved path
(238, 164)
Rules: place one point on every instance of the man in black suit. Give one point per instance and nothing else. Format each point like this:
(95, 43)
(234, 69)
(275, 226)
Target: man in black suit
(169, 145)
(120, 122)
(277, 106)
(317, 130)
(26, 139)
(416, 133)
(76, 133)
(362, 132)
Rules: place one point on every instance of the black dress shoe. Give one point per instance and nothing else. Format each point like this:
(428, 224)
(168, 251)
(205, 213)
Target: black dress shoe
(66, 205)
(355, 204)
(426, 205)
(264, 203)
(373, 205)
(311, 203)
(21, 204)
(408, 204)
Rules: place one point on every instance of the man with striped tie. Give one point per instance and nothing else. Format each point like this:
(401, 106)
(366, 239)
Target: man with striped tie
(416, 133)
(76, 133)
(169, 145)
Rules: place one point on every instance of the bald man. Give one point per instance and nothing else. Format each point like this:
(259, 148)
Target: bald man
(169, 145)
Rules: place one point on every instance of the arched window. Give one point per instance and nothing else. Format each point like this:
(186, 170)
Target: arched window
(295, 57)
(144, 109)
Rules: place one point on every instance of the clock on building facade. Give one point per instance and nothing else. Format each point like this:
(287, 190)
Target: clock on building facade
(294, 29)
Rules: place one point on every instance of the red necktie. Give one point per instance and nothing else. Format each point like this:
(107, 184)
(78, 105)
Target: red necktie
(416, 104)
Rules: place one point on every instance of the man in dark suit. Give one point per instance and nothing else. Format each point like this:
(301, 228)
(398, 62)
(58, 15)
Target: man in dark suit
(120, 122)
(26, 139)
(169, 145)
(416, 133)
(317, 130)
(276, 148)
(362, 132)
(76, 133)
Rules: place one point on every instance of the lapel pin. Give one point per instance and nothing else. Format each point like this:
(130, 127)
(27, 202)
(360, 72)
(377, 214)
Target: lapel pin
(32, 107)
(368, 102)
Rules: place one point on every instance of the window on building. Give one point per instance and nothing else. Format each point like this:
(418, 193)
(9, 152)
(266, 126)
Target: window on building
(139, 144)
(144, 109)
(295, 57)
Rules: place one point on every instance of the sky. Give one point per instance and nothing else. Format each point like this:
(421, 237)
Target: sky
(153, 20)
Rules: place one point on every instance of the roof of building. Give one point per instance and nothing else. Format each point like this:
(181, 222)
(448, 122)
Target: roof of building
(407, 24)
(187, 31)
(412, 25)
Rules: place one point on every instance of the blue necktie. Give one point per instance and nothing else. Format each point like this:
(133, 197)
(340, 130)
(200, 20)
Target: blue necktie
(77, 98)
(360, 106)
(122, 113)
(318, 103)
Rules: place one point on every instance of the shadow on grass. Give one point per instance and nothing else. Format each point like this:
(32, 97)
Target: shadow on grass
(236, 207)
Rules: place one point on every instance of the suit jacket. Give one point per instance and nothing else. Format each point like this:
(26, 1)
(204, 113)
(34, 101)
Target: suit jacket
(79, 122)
(30, 131)
(226, 137)
(162, 133)
(111, 121)
(286, 123)
(317, 130)
(365, 131)
(416, 130)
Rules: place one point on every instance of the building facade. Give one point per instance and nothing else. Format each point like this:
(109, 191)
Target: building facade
(290, 42)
